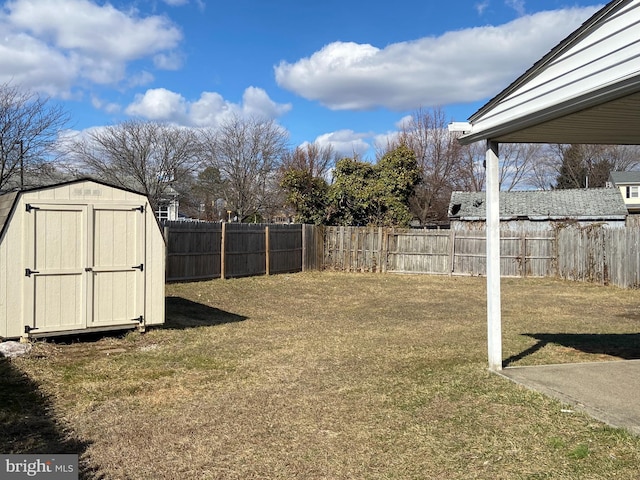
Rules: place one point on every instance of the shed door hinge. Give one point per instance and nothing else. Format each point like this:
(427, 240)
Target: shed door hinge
(139, 319)
(30, 207)
(139, 267)
(28, 272)
(140, 208)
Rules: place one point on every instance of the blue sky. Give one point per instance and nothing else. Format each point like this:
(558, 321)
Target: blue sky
(344, 72)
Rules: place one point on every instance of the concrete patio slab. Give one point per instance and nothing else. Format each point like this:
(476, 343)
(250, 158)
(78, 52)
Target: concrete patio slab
(608, 391)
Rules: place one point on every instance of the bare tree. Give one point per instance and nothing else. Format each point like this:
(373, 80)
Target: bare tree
(145, 156)
(579, 162)
(247, 153)
(29, 128)
(516, 163)
(313, 158)
(438, 154)
(470, 173)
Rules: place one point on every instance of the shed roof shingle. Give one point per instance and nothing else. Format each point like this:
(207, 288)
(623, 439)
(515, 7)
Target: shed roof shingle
(584, 204)
(6, 204)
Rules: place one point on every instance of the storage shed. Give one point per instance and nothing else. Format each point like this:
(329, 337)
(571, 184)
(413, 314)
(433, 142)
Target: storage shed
(76, 257)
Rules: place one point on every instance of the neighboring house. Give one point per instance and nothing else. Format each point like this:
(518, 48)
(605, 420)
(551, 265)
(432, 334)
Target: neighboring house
(629, 185)
(168, 206)
(540, 210)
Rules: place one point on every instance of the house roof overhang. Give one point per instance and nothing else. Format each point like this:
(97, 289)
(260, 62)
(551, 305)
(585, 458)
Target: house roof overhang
(586, 90)
(597, 118)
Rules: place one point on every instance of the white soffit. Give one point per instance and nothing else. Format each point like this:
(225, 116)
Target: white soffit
(586, 90)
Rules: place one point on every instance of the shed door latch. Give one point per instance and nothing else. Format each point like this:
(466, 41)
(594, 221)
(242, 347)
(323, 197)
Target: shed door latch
(28, 272)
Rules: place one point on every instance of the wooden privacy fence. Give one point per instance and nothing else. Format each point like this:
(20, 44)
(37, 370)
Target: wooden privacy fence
(436, 251)
(198, 250)
(213, 250)
(600, 255)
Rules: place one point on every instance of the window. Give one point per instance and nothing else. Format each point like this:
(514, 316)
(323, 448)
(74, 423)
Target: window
(633, 192)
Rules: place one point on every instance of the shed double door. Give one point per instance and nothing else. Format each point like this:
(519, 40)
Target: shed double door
(84, 266)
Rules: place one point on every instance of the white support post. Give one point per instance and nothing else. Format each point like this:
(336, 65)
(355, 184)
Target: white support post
(494, 320)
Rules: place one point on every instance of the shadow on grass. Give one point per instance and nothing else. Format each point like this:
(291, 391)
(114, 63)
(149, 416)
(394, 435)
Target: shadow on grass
(181, 313)
(623, 345)
(26, 424)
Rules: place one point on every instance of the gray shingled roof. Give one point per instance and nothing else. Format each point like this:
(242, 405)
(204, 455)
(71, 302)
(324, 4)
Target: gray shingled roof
(582, 204)
(624, 178)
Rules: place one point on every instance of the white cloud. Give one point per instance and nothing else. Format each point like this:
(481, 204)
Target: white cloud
(50, 46)
(346, 143)
(108, 107)
(517, 5)
(404, 122)
(159, 104)
(256, 103)
(457, 67)
(209, 110)
(179, 3)
(168, 61)
(141, 78)
(481, 6)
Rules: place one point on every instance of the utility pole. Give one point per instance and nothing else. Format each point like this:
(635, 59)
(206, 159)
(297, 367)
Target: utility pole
(21, 165)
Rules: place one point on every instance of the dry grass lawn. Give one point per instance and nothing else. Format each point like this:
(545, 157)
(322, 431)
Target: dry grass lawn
(328, 376)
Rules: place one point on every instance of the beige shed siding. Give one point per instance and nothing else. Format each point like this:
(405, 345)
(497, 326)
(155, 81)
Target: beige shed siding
(607, 55)
(92, 197)
(11, 292)
(88, 191)
(154, 286)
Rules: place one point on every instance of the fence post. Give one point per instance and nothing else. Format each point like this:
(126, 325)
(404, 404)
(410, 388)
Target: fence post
(223, 238)
(452, 251)
(266, 256)
(523, 254)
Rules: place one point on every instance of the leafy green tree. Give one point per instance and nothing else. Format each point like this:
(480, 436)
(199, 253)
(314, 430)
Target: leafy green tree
(351, 193)
(365, 194)
(361, 193)
(307, 194)
(398, 176)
